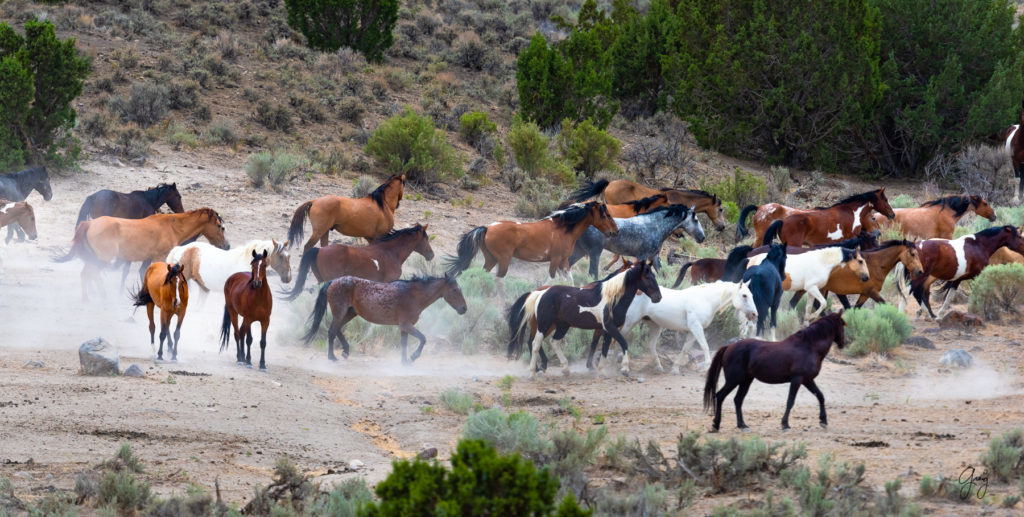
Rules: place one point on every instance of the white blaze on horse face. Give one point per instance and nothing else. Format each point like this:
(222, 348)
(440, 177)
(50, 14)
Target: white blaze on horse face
(1009, 138)
(376, 264)
(856, 218)
(6, 207)
(961, 256)
(837, 235)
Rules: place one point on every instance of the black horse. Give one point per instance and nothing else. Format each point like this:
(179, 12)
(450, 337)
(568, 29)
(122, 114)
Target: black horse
(18, 185)
(133, 205)
(766, 286)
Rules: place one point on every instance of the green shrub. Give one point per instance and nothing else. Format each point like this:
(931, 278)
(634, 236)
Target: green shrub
(587, 148)
(835, 489)
(273, 117)
(273, 167)
(123, 490)
(456, 401)
(743, 188)
(732, 211)
(516, 432)
(1005, 456)
(344, 500)
(878, 330)
(183, 95)
(131, 144)
(221, 133)
(529, 147)
(364, 25)
(474, 127)
(997, 290)
(147, 105)
(408, 144)
(538, 198)
(903, 201)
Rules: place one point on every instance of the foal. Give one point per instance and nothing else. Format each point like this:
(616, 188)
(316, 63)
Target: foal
(247, 295)
(19, 214)
(164, 287)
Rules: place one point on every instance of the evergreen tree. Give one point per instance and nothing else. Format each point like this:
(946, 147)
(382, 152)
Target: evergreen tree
(364, 25)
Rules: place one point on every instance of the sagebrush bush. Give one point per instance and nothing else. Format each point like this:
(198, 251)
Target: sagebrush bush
(537, 198)
(903, 201)
(878, 329)
(408, 144)
(587, 148)
(834, 489)
(147, 104)
(221, 132)
(743, 188)
(471, 53)
(273, 167)
(123, 490)
(474, 128)
(456, 401)
(997, 290)
(183, 95)
(131, 144)
(363, 185)
(518, 432)
(1005, 456)
(273, 117)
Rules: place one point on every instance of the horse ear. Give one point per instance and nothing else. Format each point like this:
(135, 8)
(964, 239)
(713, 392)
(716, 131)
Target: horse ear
(425, 226)
(264, 253)
(274, 242)
(170, 268)
(253, 253)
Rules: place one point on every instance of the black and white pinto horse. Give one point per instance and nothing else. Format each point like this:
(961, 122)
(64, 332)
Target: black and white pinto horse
(550, 311)
(766, 287)
(640, 236)
(18, 185)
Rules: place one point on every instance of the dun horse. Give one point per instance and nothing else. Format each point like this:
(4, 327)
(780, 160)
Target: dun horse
(820, 225)
(937, 219)
(20, 214)
(163, 287)
(247, 295)
(210, 267)
(796, 360)
(623, 191)
(880, 261)
(18, 185)
(133, 205)
(371, 216)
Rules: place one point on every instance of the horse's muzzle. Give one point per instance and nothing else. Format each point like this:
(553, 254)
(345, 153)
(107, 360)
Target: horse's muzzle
(226, 246)
(751, 316)
(655, 298)
(918, 272)
(864, 278)
(700, 238)
(461, 310)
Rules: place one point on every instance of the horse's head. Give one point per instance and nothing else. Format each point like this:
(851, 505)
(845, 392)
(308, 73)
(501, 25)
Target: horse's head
(982, 208)
(691, 224)
(281, 261)
(173, 198)
(910, 259)
(213, 229)
(40, 181)
(453, 294)
(601, 219)
(173, 275)
(259, 269)
(648, 282)
(1013, 239)
(854, 261)
(869, 239)
(881, 204)
(396, 190)
(717, 213)
(423, 244)
(27, 219)
(743, 301)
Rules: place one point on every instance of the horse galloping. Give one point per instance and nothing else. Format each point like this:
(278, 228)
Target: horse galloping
(247, 295)
(880, 262)
(623, 191)
(370, 216)
(820, 225)
(133, 205)
(20, 214)
(163, 287)
(938, 218)
(209, 266)
(16, 186)
(1014, 145)
(810, 271)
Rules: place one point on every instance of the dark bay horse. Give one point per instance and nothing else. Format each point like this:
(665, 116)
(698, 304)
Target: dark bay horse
(549, 240)
(20, 214)
(1014, 145)
(18, 185)
(380, 261)
(880, 262)
(841, 219)
(796, 360)
(937, 219)
(164, 287)
(133, 205)
(370, 217)
(247, 295)
(623, 191)
(765, 281)
(394, 303)
(551, 311)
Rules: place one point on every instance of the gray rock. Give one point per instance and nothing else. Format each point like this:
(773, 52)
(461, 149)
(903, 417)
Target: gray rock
(35, 364)
(920, 342)
(98, 357)
(134, 371)
(1013, 343)
(428, 453)
(956, 357)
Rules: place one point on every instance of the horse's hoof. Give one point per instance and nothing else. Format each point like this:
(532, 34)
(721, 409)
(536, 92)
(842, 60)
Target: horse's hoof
(248, 365)
(332, 358)
(240, 363)
(675, 370)
(785, 428)
(263, 369)
(824, 425)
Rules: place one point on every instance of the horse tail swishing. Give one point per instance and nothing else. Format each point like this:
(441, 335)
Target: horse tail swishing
(142, 296)
(319, 309)
(469, 245)
(589, 189)
(86, 209)
(295, 231)
(741, 225)
(79, 246)
(711, 384)
(682, 273)
(772, 232)
(225, 329)
(308, 262)
(516, 323)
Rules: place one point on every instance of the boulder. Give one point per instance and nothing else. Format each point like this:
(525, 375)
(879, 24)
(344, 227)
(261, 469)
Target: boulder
(957, 357)
(134, 371)
(98, 357)
(35, 364)
(428, 453)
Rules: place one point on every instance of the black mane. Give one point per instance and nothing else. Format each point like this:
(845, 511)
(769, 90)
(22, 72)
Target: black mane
(958, 204)
(889, 244)
(641, 205)
(394, 234)
(865, 197)
(378, 194)
(821, 328)
(572, 215)
(675, 210)
(989, 232)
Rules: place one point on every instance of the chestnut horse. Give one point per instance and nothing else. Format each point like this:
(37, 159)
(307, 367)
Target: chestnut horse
(636, 207)
(796, 360)
(848, 214)
(549, 240)
(880, 261)
(371, 216)
(133, 205)
(247, 295)
(936, 219)
(1014, 145)
(380, 261)
(104, 239)
(826, 225)
(622, 191)
(164, 287)
(20, 213)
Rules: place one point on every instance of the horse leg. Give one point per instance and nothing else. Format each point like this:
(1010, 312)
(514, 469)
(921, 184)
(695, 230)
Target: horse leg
(697, 330)
(561, 357)
(124, 273)
(336, 329)
(152, 326)
(794, 385)
(687, 343)
(653, 336)
(774, 310)
(423, 340)
(263, 342)
(741, 393)
(949, 296)
(843, 300)
(593, 348)
(535, 351)
(615, 258)
(719, 399)
(814, 292)
(809, 384)
(247, 324)
(1020, 185)
(177, 334)
(165, 327)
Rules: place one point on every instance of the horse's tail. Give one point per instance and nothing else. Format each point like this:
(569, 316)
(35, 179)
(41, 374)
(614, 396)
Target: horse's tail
(141, 297)
(901, 276)
(295, 232)
(712, 380)
(79, 246)
(83, 213)
(469, 245)
(772, 232)
(736, 263)
(319, 309)
(308, 262)
(518, 319)
(682, 273)
(741, 225)
(589, 189)
(225, 328)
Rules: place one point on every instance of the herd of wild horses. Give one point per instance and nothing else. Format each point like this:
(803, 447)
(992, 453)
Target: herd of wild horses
(819, 251)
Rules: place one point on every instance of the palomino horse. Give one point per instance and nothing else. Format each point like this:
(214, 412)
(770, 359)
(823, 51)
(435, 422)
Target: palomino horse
(622, 191)
(163, 287)
(104, 239)
(380, 261)
(210, 267)
(957, 260)
(18, 185)
(247, 295)
(936, 219)
(133, 205)
(21, 214)
(549, 240)
(880, 261)
(371, 216)
(1014, 145)
(796, 360)
(394, 303)
(550, 311)
(810, 271)
(765, 281)
(842, 218)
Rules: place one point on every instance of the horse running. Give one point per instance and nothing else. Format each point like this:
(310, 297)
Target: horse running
(623, 191)
(370, 216)
(394, 303)
(765, 281)
(209, 266)
(380, 261)
(163, 287)
(796, 360)
(880, 261)
(18, 185)
(810, 271)
(247, 295)
(133, 205)
(549, 240)
(550, 311)
(835, 223)
(20, 214)
(937, 219)
(1014, 145)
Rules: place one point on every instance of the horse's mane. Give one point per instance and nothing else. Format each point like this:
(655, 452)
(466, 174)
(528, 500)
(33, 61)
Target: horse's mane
(989, 232)
(695, 192)
(890, 244)
(572, 215)
(613, 288)
(848, 254)
(958, 204)
(209, 213)
(640, 205)
(856, 198)
(821, 328)
(394, 234)
(675, 210)
(378, 194)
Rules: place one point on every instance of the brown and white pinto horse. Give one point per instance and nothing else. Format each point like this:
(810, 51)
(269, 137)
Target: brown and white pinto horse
(880, 262)
(20, 213)
(624, 191)
(826, 225)
(549, 240)
(1014, 145)
(936, 219)
(371, 216)
(164, 287)
(850, 214)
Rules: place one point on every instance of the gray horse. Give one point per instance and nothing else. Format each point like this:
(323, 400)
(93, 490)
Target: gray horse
(640, 236)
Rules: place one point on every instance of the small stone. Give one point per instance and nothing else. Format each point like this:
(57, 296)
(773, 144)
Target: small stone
(35, 364)
(134, 371)
(956, 357)
(428, 453)
(356, 464)
(920, 342)
(1013, 343)
(98, 357)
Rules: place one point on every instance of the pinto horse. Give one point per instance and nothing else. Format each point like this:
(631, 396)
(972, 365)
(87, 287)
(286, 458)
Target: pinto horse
(394, 303)
(550, 311)
(210, 267)
(133, 205)
(835, 223)
(380, 261)
(796, 360)
(623, 191)
(371, 216)
(247, 295)
(880, 262)
(21, 214)
(18, 185)
(937, 219)
(164, 287)
(1014, 145)
(549, 240)
(811, 270)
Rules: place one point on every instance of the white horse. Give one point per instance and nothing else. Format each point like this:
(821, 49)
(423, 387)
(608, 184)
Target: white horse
(810, 271)
(210, 266)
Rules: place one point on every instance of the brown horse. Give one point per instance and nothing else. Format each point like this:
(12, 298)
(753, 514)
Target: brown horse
(636, 207)
(164, 287)
(880, 261)
(380, 261)
(104, 239)
(936, 219)
(394, 303)
(247, 295)
(549, 240)
(20, 213)
(826, 225)
(849, 213)
(371, 216)
(133, 205)
(1014, 144)
(795, 360)
(624, 191)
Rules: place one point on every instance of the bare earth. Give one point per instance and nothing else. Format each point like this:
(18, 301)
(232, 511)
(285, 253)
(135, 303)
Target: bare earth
(205, 419)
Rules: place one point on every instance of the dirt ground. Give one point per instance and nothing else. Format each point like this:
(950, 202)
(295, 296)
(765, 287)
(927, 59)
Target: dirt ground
(204, 419)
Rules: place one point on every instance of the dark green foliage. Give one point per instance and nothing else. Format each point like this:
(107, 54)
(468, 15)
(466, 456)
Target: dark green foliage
(364, 25)
(743, 188)
(474, 127)
(408, 144)
(588, 150)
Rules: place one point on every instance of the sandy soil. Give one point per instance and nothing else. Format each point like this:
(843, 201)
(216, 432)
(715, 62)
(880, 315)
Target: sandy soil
(204, 419)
